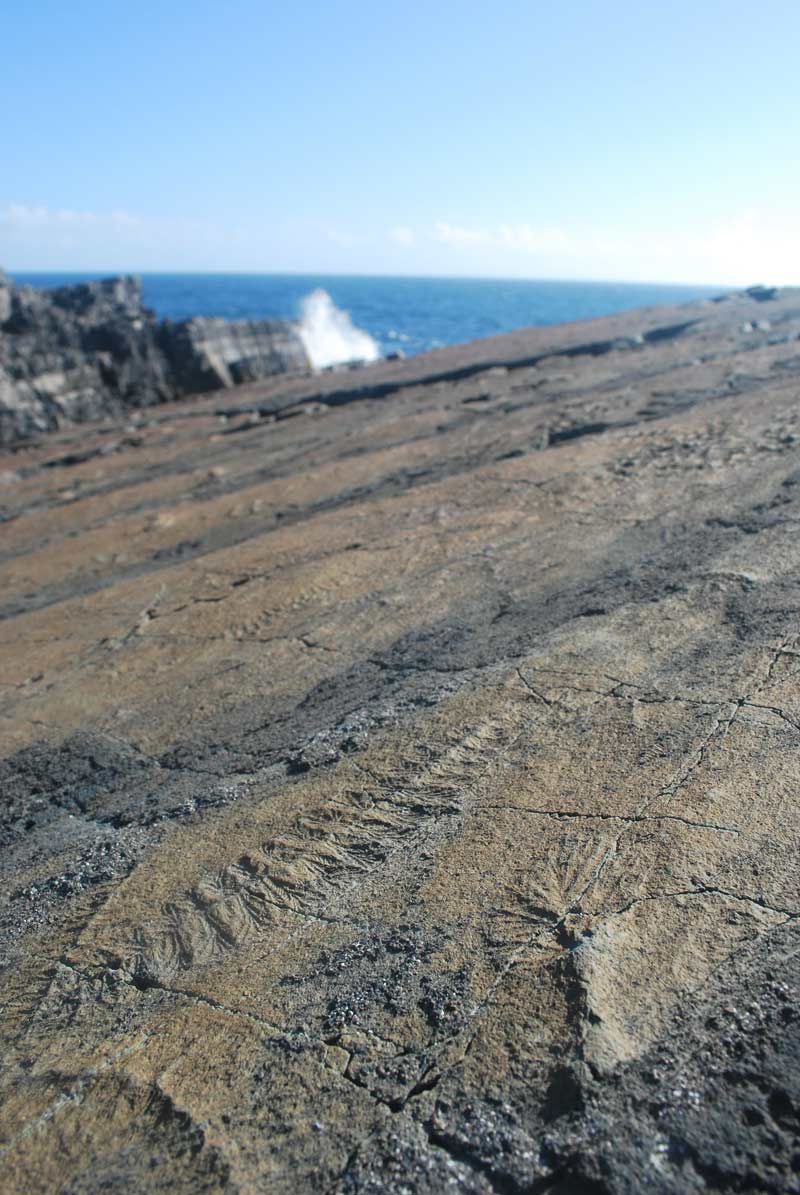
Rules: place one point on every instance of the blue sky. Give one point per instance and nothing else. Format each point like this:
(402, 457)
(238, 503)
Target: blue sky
(589, 139)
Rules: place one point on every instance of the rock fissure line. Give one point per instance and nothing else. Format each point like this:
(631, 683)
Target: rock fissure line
(702, 890)
(566, 815)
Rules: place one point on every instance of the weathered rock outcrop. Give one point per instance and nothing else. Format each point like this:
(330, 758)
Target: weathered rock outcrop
(93, 350)
(214, 354)
(400, 780)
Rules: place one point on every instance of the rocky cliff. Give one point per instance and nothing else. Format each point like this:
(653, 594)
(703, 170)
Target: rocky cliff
(85, 352)
(400, 776)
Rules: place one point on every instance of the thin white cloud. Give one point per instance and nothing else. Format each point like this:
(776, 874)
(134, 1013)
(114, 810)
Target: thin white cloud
(524, 238)
(515, 238)
(25, 216)
(125, 219)
(21, 215)
(752, 246)
(37, 236)
(345, 239)
(738, 248)
(744, 247)
(461, 237)
(402, 235)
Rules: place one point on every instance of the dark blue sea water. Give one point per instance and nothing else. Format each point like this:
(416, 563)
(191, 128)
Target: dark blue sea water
(412, 314)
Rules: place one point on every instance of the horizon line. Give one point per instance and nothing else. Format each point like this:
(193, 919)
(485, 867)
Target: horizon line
(204, 273)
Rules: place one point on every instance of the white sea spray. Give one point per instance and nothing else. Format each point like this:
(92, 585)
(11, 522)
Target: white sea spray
(329, 335)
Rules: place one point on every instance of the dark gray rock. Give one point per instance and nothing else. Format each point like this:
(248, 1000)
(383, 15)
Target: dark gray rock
(93, 350)
(761, 294)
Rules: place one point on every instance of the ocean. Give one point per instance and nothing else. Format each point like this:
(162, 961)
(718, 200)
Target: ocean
(348, 316)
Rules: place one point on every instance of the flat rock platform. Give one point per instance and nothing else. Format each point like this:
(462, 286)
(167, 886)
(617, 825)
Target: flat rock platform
(400, 775)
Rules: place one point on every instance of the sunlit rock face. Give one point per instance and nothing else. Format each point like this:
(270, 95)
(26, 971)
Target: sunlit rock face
(90, 351)
(400, 774)
(214, 354)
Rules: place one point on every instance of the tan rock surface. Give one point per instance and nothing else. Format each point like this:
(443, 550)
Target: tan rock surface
(401, 775)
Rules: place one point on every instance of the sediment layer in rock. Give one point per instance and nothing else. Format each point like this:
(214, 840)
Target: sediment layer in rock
(93, 350)
(401, 779)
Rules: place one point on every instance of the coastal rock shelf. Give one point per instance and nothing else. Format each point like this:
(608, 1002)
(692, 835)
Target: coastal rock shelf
(93, 350)
(400, 775)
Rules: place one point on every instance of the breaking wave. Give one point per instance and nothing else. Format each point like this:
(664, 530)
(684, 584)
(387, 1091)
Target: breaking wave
(329, 335)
